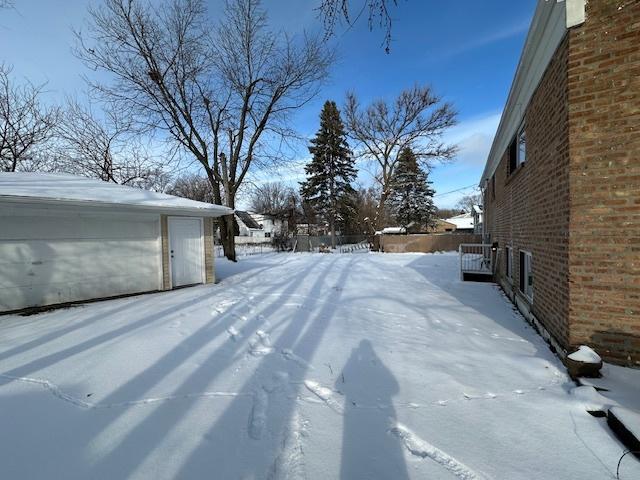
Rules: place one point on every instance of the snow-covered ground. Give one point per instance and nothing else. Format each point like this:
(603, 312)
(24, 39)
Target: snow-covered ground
(353, 366)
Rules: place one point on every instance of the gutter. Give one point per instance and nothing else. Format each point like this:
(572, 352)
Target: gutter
(537, 40)
(217, 211)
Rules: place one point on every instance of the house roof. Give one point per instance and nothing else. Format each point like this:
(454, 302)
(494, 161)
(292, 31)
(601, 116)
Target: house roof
(394, 230)
(65, 189)
(477, 208)
(548, 27)
(462, 221)
(245, 217)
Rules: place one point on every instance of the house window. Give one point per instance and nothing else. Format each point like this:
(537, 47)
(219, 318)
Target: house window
(508, 261)
(518, 150)
(522, 145)
(513, 154)
(526, 275)
(493, 186)
(267, 234)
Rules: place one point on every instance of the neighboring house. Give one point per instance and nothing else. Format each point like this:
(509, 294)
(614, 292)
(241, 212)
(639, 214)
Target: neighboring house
(65, 238)
(477, 219)
(562, 182)
(443, 226)
(463, 222)
(247, 226)
(271, 225)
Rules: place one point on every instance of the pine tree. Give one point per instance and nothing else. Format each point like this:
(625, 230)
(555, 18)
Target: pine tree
(330, 171)
(411, 196)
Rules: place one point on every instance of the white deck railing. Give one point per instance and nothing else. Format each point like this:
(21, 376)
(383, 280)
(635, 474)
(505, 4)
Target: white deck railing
(476, 258)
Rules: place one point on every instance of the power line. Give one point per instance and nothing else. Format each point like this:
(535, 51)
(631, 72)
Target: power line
(454, 191)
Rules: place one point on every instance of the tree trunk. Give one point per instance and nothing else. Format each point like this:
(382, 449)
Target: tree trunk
(333, 233)
(380, 220)
(227, 237)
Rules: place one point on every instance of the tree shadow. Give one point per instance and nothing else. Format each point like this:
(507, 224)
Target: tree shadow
(261, 447)
(368, 386)
(145, 437)
(476, 297)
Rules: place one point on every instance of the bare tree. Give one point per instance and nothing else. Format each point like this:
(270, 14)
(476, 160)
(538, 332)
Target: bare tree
(378, 12)
(467, 202)
(447, 212)
(274, 198)
(417, 119)
(219, 95)
(192, 186)
(105, 144)
(25, 124)
(366, 202)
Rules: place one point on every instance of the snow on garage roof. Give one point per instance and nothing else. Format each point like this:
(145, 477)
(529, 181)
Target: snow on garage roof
(462, 221)
(65, 189)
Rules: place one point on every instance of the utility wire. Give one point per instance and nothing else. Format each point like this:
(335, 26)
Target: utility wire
(454, 191)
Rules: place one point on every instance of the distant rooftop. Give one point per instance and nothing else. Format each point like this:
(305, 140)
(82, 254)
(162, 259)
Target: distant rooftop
(247, 219)
(464, 221)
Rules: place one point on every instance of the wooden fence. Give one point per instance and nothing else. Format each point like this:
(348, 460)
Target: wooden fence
(427, 242)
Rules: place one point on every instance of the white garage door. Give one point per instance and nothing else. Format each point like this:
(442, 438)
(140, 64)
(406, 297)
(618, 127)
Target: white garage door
(186, 250)
(55, 256)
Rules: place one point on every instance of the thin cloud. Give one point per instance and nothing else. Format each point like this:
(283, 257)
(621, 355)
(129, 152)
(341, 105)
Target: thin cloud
(487, 39)
(474, 138)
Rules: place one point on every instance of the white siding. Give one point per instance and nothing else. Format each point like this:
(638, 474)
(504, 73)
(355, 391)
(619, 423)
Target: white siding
(51, 256)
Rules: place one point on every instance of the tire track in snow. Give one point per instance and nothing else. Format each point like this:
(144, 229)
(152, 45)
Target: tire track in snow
(423, 449)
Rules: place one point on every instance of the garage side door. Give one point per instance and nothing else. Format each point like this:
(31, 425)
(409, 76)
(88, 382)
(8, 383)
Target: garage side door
(55, 258)
(186, 251)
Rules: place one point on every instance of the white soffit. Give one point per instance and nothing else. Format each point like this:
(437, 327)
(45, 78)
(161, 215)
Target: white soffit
(548, 28)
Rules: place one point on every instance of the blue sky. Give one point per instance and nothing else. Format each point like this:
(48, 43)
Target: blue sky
(466, 50)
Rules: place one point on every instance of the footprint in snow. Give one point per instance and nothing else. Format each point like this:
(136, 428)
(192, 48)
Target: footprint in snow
(261, 346)
(265, 338)
(233, 334)
(289, 355)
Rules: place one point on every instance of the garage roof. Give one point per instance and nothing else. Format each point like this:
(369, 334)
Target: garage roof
(462, 221)
(65, 189)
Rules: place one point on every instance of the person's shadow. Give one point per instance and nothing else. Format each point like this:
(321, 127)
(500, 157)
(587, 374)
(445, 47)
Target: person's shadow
(368, 450)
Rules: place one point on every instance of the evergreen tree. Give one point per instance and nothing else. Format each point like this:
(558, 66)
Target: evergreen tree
(411, 196)
(331, 170)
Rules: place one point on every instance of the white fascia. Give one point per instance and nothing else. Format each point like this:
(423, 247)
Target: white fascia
(576, 12)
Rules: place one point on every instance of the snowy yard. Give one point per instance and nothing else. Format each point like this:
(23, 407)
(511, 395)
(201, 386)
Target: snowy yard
(353, 366)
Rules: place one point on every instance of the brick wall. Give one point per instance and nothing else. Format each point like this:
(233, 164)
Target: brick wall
(604, 130)
(164, 235)
(530, 209)
(209, 256)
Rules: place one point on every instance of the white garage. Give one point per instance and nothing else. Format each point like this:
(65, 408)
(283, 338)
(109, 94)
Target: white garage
(65, 238)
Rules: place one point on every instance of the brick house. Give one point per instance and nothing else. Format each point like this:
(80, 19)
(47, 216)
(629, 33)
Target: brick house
(561, 185)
